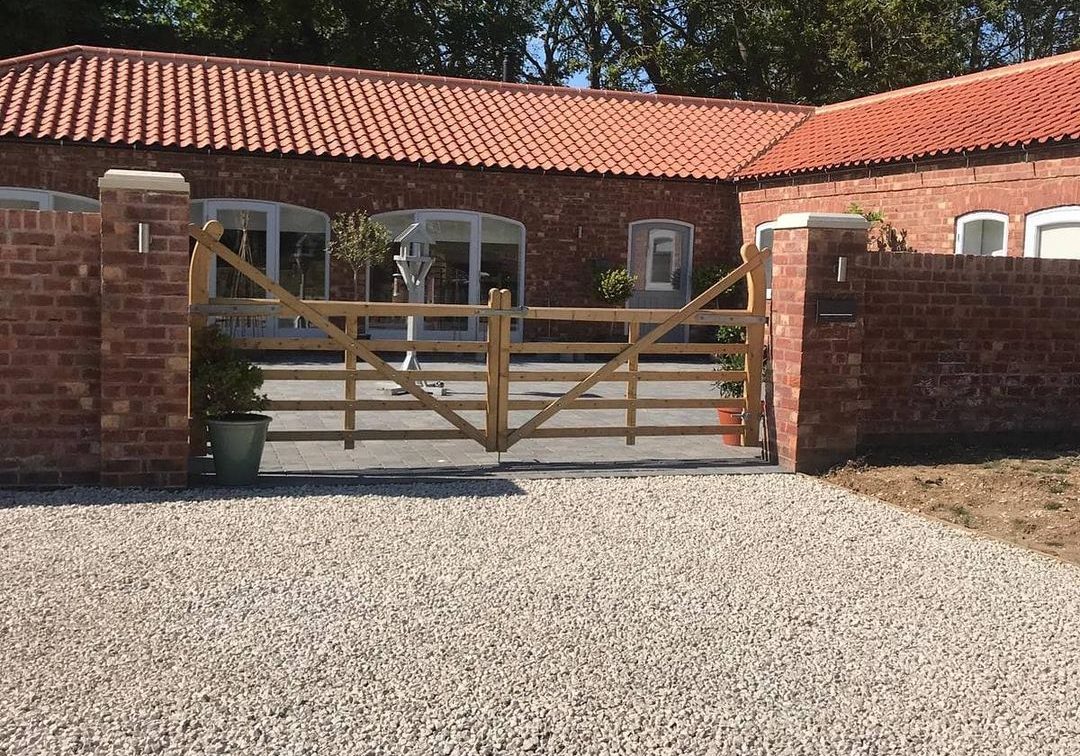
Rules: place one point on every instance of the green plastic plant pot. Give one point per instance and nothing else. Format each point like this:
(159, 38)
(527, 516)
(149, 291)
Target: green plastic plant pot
(237, 444)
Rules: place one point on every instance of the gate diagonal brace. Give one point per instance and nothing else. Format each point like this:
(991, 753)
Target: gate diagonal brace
(208, 238)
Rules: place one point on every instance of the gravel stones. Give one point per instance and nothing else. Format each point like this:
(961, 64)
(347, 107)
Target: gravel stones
(689, 615)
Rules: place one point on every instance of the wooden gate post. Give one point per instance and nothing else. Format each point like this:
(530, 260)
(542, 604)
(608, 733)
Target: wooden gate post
(494, 355)
(199, 270)
(351, 330)
(505, 303)
(633, 332)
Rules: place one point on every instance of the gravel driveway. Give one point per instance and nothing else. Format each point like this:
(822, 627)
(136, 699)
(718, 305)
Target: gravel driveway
(709, 615)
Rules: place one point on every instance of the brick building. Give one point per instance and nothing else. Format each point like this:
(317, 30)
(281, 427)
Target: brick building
(530, 187)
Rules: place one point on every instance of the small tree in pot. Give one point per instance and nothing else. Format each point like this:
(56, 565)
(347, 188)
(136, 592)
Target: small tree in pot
(359, 242)
(225, 393)
(615, 286)
(730, 389)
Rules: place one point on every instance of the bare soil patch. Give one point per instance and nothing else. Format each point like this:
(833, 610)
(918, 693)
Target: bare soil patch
(1028, 496)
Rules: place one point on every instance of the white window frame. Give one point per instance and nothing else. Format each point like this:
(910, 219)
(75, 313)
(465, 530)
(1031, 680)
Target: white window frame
(759, 229)
(655, 235)
(982, 215)
(45, 198)
(1052, 216)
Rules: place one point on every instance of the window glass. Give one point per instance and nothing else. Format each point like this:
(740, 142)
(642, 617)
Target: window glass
(472, 253)
(501, 244)
(245, 234)
(302, 251)
(1053, 233)
(72, 204)
(18, 203)
(1060, 241)
(16, 198)
(661, 259)
(981, 236)
(447, 281)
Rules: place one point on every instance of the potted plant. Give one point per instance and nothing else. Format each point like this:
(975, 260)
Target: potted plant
(359, 242)
(225, 390)
(614, 286)
(882, 236)
(730, 389)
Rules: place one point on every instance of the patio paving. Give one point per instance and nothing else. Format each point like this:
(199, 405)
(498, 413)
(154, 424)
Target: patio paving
(531, 457)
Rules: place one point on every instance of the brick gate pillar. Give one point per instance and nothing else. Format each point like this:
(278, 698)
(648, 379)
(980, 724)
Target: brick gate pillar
(816, 333)
(144, 328)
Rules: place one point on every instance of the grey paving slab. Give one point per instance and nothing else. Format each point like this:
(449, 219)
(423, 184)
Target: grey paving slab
(317, 460)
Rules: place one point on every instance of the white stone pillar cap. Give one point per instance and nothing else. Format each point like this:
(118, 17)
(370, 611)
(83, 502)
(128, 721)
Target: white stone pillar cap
(850, 221)
(151, 181)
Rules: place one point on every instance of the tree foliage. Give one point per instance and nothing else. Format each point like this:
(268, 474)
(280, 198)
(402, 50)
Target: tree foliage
(223, 382)
(615, 285)
(359, 242)
(785, 50)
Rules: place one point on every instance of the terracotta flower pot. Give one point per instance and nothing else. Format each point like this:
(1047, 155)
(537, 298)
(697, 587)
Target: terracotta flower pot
(730, 417)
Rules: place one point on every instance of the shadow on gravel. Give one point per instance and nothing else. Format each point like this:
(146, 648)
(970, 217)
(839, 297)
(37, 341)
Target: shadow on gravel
(505, 471)
(268, 487)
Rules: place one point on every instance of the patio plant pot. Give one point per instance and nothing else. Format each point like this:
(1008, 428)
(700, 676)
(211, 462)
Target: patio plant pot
(730, 417)
(236, 442)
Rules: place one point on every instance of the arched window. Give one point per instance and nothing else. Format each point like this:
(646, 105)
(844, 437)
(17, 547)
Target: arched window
(982, 233)
(1053, 233)
(16, 198)
(286, 242)
(473, 253)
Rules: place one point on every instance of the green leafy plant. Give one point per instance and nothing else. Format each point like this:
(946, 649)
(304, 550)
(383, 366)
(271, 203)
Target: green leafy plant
(882, 235)
(728, 362)
(615, 286)
(703, 277)
(359, 242)
(223, 382)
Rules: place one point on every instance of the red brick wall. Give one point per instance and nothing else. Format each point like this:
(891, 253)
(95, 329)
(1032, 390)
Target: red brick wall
(49, 352)
(926, 198)
(568, 219)
(955, 344)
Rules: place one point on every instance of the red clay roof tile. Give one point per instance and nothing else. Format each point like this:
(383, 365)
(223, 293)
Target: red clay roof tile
(1025, 104)
(107, 96)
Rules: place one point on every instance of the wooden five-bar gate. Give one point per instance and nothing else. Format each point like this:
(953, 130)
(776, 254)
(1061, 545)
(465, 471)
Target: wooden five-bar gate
(496, 434)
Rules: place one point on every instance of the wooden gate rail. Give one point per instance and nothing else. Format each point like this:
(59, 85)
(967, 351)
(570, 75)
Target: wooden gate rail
(362, 364)
(208, 244)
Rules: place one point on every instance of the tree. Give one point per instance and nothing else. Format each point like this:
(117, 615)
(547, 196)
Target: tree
(810, 51)
(359, 242)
